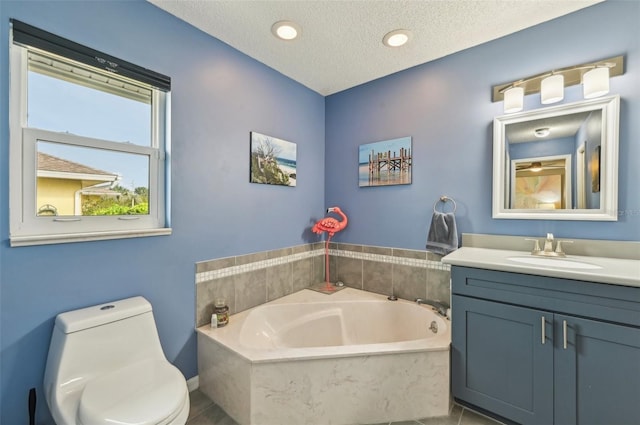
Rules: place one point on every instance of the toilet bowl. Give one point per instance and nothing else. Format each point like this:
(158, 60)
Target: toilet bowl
(106, 366)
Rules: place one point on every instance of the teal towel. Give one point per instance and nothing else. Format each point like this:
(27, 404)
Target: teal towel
(443, 234)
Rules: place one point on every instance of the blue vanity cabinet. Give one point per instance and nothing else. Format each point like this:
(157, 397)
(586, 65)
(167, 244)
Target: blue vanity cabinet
(597, 372)
(499, 361)
(541, 350)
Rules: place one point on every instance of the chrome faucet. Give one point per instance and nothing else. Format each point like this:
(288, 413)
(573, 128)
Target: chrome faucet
(548, 244)
(439, 306)
(547, 250)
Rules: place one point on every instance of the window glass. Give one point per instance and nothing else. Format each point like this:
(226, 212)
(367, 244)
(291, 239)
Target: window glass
(82, 181)
(58, 105)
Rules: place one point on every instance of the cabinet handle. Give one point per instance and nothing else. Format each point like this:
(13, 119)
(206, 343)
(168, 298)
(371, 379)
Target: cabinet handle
(564, 334)
(542, 324)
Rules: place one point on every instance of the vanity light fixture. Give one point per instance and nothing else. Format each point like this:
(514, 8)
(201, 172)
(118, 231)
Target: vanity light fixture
(542, 132)
(593, 75)
(513, 100)
(552, 89)
(286, 30)
(595, 82)
(396, 38)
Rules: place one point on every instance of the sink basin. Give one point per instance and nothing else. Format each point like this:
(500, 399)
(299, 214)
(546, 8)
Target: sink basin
(554, 262)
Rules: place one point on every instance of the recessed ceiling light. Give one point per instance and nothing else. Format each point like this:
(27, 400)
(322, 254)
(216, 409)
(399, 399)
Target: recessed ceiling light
(286, 30)
(536, 167)
(542, 132)
(396, 38)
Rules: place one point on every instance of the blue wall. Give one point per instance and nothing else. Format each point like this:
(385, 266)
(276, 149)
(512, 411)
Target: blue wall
(445, 106)
(219, 96)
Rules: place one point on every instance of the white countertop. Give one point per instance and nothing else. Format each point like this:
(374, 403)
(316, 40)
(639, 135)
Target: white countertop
(610, 270)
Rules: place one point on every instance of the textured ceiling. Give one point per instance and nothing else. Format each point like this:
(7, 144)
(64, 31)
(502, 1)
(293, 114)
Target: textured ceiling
(341, 42)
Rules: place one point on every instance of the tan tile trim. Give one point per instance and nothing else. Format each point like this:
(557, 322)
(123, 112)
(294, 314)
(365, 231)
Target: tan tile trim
(391, 259)
(256, 265)
(358, 252)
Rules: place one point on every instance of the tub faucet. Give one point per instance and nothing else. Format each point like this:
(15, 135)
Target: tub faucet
(438, 306)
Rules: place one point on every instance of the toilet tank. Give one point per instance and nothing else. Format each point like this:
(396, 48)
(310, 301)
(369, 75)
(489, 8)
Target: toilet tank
(95, 340)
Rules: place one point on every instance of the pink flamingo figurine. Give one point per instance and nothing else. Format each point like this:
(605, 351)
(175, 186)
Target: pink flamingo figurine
(331, 226)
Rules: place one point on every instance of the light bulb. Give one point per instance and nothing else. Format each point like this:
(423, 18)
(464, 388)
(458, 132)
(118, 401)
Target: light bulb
(513, 100)
(595, 82)
(285, 30)
(552, 89)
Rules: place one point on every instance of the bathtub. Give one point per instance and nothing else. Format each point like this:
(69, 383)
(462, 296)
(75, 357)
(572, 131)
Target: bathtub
(352, 357)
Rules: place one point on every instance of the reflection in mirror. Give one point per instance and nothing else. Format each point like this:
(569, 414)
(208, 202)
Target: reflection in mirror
(541, 183)
(557, 163)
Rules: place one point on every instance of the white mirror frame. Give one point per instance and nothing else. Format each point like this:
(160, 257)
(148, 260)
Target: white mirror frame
(608, 211)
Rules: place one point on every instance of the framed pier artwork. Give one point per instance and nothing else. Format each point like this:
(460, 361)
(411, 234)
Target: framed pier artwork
(385, 163)
(273, 160)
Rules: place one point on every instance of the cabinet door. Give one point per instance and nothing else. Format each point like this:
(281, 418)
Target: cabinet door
(502, 359)
(597, 377)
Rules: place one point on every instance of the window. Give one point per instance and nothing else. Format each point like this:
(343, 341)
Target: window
(88, 142)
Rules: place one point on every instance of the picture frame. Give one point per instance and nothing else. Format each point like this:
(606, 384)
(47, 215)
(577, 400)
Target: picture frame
(272, 161)
(385, 163)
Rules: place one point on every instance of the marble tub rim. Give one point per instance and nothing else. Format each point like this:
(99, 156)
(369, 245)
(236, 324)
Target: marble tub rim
(224, 338)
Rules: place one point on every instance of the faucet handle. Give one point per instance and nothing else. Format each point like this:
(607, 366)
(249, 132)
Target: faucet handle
(549, 236)
(536, 246)
(559, 250)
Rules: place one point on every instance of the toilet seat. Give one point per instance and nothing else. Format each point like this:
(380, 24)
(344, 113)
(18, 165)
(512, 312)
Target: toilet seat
(150, 392)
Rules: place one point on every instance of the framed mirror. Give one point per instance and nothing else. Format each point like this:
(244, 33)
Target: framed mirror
(557, 163)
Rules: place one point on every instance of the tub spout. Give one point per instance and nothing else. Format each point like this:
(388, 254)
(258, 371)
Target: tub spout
(439, 306)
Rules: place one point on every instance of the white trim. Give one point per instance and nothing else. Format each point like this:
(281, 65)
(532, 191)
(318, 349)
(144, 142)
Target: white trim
(581, 170)
(17, 120)
(16, 241)
(608, 211)
(193, 383)
(76, 176)
(26, 228)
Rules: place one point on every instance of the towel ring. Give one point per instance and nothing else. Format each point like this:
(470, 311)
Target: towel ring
(444, 200)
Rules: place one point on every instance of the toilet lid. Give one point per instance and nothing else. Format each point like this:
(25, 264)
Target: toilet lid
(146, 393)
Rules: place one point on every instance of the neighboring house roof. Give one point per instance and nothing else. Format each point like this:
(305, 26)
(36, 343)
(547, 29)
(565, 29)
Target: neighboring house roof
(54, 167)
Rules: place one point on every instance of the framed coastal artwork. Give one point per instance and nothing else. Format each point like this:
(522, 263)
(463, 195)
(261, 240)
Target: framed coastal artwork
(385, 163)
(273, 160)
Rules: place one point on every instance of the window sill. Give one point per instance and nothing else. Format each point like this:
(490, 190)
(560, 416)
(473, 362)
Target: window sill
(17, 241)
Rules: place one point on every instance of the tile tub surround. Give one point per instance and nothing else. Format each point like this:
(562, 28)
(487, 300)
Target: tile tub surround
(249, 280)
(407, 274)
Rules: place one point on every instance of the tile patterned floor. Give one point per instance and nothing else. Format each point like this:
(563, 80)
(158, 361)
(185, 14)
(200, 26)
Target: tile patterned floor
(205, 412)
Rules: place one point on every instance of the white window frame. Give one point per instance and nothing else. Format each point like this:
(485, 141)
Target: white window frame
(28, 229)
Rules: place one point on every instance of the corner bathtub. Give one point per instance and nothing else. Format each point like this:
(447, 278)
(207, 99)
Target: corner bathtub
(352, 357)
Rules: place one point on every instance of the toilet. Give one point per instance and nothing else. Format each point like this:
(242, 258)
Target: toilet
(106, 366)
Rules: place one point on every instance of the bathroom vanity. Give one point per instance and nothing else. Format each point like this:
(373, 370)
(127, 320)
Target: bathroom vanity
(546, 343)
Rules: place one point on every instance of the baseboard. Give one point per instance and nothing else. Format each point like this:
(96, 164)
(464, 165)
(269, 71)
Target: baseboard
(193, 383)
